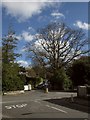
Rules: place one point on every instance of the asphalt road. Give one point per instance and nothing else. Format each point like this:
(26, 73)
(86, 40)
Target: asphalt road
(37, 104)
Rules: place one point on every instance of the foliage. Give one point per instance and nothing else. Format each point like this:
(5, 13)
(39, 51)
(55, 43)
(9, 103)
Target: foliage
(56, 46)
(60, 80)
(22, 73)
(67, 84)
(9, 44)
(11, 80)
(0, 68)
(31, 72)
(38, 69)
(35, 81)
(39, 80)
(79, 72)
(10, 70)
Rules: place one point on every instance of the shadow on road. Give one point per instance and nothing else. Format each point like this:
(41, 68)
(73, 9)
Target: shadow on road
(66, 102)
(26, 113)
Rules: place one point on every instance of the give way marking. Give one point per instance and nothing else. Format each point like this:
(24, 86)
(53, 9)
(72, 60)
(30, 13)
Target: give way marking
(15, 106)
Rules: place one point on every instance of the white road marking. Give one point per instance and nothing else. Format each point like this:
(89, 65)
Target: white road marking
(51, 107)
(20, 106)
(15, 106)
(8, 107)
(56, 109)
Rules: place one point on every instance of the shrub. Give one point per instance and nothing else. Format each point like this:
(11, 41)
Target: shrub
(35, 81)
(60, 80)
(10, 78)
(79, 72)
(67, 84)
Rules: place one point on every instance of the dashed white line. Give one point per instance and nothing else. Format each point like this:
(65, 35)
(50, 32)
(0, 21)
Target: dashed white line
(56, 109)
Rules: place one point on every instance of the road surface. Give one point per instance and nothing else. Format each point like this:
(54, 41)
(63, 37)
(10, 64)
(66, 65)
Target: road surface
(37, 104)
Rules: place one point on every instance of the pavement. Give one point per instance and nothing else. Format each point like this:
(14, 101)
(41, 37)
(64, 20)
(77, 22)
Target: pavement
(77, 103)
(80, 101)
(38, 104)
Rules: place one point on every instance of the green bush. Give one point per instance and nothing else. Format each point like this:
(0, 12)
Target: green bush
(67, 84)
(79, 72)
(10, 78)
(60, 80)
(35, 81)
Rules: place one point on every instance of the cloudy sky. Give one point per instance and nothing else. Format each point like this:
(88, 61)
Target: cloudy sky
(28, 17)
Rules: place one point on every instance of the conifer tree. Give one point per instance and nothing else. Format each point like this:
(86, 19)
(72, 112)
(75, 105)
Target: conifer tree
(10, 69)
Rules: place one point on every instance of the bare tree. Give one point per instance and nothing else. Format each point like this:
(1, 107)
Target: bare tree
(57, 45)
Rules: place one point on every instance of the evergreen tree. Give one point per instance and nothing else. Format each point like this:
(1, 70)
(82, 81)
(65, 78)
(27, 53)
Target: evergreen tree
(10, 70)
(9, 44)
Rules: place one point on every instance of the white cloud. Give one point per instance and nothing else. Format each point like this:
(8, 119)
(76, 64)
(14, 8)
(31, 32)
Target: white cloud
(82, 25)
(24, 10)
(27, 36)
(31, 29)
(57, 15)
(23, 63)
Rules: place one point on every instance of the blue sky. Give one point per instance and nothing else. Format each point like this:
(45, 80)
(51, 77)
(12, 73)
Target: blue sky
(28, 17)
